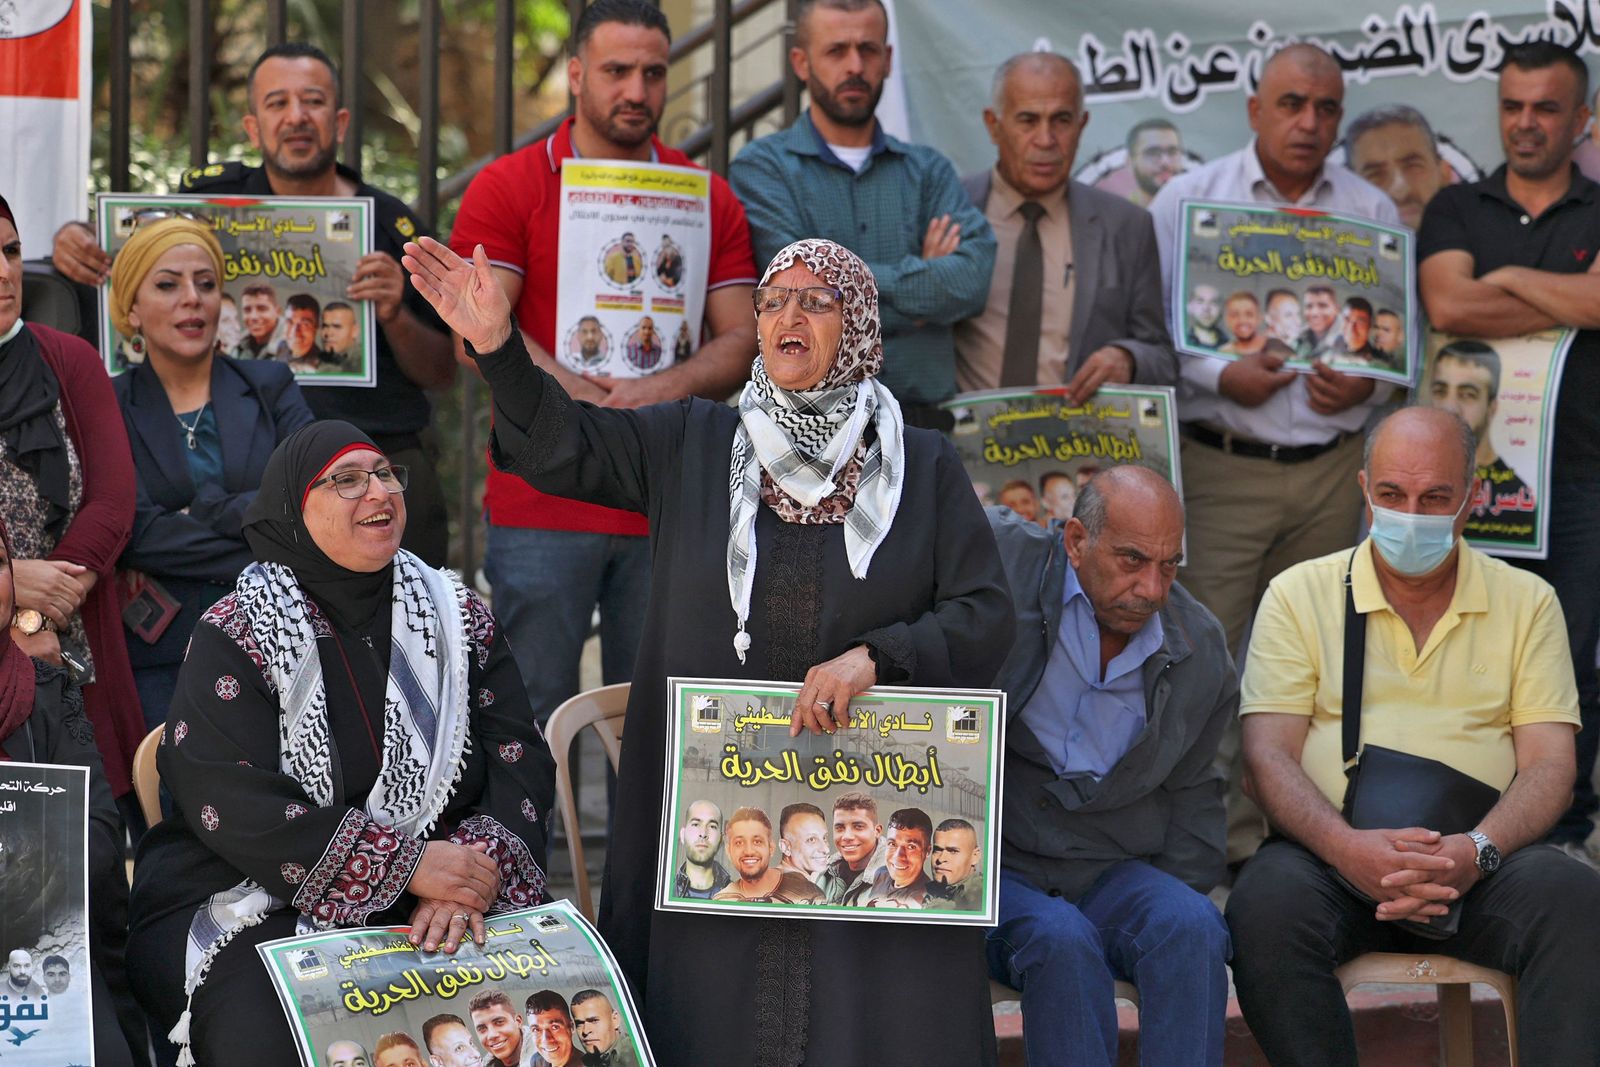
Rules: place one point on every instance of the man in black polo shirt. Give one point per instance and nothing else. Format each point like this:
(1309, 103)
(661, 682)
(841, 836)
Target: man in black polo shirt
(1514, 253)
(297, 123)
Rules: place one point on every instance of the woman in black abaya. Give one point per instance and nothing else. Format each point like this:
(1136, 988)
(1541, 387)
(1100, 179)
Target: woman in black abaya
(806, 534)
(350, 744)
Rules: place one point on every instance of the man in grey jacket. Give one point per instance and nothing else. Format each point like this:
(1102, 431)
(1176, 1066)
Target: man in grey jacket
(1117, 691)
(1075, 297)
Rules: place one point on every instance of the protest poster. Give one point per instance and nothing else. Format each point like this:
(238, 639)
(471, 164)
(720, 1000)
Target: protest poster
(1505, 389)
(1032, 449)
(287, 265)
(45, 1009)
(894, 818)
(635, 249)
(1304, 285)
(543, 989)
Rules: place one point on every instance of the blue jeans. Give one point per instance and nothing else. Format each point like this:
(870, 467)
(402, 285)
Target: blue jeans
(546, 585)
(1573, 568)
(1135, 924)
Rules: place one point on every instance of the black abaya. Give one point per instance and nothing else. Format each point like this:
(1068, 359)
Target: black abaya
(934, 609)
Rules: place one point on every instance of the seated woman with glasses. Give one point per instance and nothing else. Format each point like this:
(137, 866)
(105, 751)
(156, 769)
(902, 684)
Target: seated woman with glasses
(201, 427)
(350, 744)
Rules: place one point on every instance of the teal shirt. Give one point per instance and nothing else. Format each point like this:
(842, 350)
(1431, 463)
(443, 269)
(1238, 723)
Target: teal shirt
(793, 187)
(205, 459)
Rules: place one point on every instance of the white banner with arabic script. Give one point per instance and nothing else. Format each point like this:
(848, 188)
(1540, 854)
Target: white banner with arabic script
(545, 985)
(1166, 82)
(894, 818)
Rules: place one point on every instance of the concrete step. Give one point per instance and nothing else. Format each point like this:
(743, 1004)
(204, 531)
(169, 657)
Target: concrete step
(1395, 1025)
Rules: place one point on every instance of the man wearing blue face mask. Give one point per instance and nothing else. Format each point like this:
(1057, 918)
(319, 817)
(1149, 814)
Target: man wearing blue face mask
(1465, 669)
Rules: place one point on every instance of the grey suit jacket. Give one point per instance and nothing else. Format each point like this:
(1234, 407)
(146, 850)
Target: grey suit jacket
(1117, 286)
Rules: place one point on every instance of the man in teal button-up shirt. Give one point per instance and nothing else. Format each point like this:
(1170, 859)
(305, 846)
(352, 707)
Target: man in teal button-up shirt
(900, 207)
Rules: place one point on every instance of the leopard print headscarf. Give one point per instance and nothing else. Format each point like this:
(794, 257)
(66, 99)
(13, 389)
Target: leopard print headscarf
(806, 454)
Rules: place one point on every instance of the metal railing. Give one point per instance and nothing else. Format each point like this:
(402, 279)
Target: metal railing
(709, 134)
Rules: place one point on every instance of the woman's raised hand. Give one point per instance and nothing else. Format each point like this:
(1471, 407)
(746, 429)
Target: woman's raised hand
(465, 295)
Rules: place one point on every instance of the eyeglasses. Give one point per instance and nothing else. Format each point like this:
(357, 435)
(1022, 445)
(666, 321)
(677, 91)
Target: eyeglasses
(817, 299)
(157, 214)
(352, 485)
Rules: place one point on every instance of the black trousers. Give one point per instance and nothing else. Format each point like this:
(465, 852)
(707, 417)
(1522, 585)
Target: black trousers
(1537, 918)
(237, 1019)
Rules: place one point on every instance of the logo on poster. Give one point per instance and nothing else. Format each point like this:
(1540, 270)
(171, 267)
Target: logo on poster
(340, 226)
(707, 717)
(961, 726)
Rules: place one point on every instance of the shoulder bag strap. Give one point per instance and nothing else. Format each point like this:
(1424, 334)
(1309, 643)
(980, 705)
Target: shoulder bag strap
(1355, 649)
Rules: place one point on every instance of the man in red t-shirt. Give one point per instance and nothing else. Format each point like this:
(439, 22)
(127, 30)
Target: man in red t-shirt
(551, 560)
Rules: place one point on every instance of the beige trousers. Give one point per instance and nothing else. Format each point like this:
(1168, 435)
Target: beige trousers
(1249, 520)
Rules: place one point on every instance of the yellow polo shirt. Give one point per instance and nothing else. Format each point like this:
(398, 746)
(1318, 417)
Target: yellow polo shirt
(1496, 659)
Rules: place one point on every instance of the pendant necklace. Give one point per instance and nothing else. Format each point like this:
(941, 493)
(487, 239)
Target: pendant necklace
(190, 427)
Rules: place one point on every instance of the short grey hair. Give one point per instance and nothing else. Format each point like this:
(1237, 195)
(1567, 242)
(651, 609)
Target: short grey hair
(1094, 499)
(1466, 438)
(998, 88)
(1389, 115)
(1090, 508)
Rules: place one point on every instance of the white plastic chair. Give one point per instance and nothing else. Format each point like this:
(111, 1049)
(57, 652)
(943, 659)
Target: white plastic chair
(602, 710)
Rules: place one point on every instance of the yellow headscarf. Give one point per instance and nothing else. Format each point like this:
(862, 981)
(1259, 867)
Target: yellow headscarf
(139, 255)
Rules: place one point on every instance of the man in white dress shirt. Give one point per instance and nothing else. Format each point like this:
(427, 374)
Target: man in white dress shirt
(1269, 455)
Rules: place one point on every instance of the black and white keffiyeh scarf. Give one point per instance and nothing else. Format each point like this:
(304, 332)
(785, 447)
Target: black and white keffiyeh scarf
(425, 735)
(808, 446)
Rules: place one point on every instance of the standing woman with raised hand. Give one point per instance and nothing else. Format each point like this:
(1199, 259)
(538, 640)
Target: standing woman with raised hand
(201, 427)
(66, 495)
(807, 534)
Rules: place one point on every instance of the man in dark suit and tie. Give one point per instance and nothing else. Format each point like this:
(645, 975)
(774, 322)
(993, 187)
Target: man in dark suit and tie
(1076, 292)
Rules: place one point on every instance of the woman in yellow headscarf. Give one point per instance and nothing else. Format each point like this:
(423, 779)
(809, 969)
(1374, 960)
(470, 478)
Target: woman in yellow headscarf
(201, 427)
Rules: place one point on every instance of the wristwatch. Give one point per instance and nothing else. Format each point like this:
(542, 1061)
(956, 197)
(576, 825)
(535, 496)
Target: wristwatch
(1488, 854)
(29, 620)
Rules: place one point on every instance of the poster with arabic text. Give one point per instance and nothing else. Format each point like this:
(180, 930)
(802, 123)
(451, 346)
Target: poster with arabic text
(544, 989)
(1505, 389)
(1295, 285)
(1031, 450)
(287, 264)
(893, 818)
(45, 1002)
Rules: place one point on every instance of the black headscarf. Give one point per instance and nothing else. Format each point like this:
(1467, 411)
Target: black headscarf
(275, 527)
(29, 393)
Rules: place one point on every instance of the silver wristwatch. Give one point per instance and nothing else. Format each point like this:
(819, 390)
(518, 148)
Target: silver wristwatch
(1488, 854)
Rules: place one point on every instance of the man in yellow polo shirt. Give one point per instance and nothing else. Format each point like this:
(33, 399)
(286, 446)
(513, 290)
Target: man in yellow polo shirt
(1466, 662)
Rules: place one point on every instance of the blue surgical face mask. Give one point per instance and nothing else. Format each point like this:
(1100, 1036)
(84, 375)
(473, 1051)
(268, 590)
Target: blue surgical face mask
(1414, 544)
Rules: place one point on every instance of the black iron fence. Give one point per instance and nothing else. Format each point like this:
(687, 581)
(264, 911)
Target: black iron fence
(709, 121)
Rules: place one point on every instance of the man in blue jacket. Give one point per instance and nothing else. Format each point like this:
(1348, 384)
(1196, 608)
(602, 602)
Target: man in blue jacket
(1118, 688)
